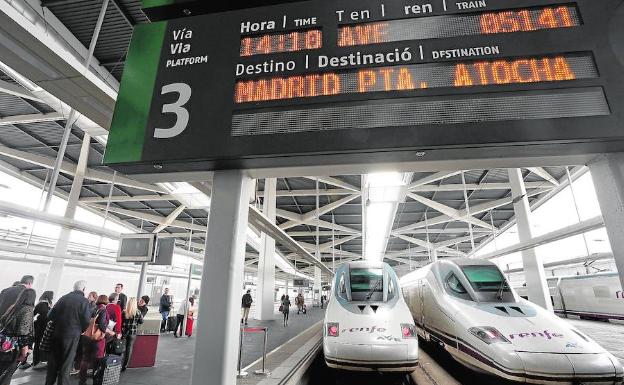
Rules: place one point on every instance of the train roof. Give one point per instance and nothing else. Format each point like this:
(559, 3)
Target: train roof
(467, 261)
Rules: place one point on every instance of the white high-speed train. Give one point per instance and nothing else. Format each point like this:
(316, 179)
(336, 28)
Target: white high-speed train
(596, 296)
(467, 306)
(368, 326)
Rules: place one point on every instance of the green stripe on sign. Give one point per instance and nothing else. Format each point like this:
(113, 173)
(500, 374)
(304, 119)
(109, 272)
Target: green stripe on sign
(127, 131)
(156, 3)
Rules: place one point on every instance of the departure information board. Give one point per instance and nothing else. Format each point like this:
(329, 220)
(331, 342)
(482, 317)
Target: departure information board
(316, 82)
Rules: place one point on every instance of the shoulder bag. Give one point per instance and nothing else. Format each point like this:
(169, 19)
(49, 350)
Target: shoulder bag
(93, 331)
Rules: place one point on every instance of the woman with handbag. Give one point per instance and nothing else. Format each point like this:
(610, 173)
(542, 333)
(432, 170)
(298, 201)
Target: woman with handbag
(94, 341)
(16, 334)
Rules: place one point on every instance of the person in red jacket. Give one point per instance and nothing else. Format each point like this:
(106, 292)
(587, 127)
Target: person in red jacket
(114, 313)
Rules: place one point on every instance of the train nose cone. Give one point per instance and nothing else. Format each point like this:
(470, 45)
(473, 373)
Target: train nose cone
(548, 367)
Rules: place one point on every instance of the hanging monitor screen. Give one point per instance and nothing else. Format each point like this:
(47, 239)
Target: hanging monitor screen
(317, 82)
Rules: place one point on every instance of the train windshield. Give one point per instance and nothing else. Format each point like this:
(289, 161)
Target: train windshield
(366, 284)
(488, 283)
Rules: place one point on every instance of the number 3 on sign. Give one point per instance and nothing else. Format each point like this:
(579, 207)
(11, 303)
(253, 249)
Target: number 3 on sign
(177, 107)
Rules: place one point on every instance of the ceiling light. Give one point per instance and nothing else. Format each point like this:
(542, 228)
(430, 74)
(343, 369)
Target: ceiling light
(383, 192)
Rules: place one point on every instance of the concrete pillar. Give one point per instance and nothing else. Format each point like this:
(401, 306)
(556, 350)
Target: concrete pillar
(266, 263)
(55, 271)
(608, 175)
(216, 349)
(316, 287)
(533, 267)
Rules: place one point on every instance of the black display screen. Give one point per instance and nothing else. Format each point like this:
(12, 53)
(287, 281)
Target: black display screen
(353, 82)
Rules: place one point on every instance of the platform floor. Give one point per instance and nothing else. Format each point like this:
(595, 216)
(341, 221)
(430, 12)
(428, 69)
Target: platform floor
(175, 355)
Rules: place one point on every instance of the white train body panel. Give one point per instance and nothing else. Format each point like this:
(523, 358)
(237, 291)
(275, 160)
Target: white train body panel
(593, 296)
(370, 332)
(519, 340)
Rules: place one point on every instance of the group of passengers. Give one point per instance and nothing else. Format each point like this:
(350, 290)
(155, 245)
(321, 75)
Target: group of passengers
(175, 324)
(72, 335)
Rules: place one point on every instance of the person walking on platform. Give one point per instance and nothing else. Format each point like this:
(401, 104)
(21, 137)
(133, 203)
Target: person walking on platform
(142, 305)
(285, 309)
(122, 297)
(132, 318)
(182, 310)
(94, 351)
(71, 318)
(299, 301)
(166, 301)
(246, 306)
(41, 320)
(190, 317)
(16, 331)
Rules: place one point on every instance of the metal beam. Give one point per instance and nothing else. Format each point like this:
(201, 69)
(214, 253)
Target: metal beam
(170, 219)
(539, 171)
(262, 223)
(566, 232)
(70, 168)
(128, 198)
(16, 90)
(592, 258)
(311, 216)
(159, 220)
(474, 186)
(301, 193)
(31, 118)
(430, 246)
(455, 214)
(334, 182)
(431, 178)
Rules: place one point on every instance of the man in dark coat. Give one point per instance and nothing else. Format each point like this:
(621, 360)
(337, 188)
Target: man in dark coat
(9, 295)
(166, 301)
(71, 316)
(123, 300)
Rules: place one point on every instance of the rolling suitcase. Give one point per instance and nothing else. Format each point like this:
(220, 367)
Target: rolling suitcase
(109, 371)
(172, 323)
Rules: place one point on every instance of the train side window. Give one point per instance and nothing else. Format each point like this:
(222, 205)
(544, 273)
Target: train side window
(455, 287)
(391, 290)
(341, 286)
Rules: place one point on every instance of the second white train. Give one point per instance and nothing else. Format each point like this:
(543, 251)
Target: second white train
(467, 306)
(368, 326)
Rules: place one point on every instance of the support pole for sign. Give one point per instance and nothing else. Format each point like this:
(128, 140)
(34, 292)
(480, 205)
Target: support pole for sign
(216, 349)
(186, 299)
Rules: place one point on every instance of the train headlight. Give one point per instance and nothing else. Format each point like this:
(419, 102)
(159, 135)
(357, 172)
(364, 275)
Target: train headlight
(489, 335)
(408, 331)
(333, 329)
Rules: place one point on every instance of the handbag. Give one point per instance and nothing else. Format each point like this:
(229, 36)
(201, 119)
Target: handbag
(93, 332)
(281, 308)
(46, 339)
(117, 347)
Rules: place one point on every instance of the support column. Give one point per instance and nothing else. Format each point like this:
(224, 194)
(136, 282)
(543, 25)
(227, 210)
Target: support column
(266, 262)
(533, 267)
(216, 349)
(608, 175)
(55, 271)
(317, 286)
(434, 255)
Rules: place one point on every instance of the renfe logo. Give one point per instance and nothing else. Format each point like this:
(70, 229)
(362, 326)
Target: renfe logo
(365, 330)
(545, 334)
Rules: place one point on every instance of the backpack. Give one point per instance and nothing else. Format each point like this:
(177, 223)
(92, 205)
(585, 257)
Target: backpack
(247, 300)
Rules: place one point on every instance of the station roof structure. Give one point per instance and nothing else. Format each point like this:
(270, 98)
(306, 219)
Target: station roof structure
(433, 214)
